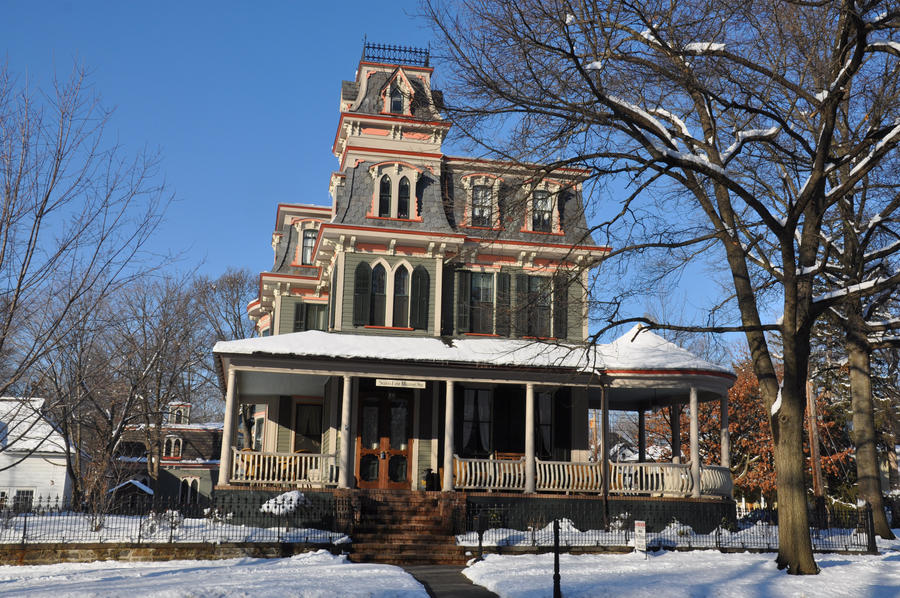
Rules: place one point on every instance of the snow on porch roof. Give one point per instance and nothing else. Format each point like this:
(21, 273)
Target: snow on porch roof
(636, 351)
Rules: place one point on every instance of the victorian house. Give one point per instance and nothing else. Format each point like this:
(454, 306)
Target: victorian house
(427, 330)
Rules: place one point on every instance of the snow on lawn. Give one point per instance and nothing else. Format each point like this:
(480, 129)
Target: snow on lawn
(698, 574)
(309, 575)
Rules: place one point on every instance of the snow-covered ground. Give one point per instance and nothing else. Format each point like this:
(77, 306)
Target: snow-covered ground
(311, 575)
(697, 574)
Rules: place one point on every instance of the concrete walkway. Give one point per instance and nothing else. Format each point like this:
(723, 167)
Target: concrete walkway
(447, 581)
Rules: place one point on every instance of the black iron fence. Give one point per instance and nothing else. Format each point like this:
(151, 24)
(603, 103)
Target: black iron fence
(292, 517)
(588, 524)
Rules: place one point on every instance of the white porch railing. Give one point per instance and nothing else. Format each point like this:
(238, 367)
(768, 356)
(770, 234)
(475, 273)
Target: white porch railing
(653, 479)
(659, 479)
(569, 476)
(301, 469)
(716, 481)
(489, 474)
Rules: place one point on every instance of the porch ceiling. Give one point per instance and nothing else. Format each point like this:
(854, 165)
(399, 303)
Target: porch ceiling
(634, 399)
(275, 383)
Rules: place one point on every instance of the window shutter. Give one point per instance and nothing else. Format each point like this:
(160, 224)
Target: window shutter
(418, 308)
(502, 321)
(521, 304)
(560, 306)
(463, 297)
(299, 317)
(362, 281)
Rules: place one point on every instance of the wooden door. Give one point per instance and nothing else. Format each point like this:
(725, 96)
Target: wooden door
(383, 441)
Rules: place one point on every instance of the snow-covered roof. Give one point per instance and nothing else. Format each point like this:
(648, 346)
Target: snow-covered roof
(637, 350)
(140, 486)
(26, 429)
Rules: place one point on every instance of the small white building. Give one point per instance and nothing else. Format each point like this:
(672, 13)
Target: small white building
(32, 455)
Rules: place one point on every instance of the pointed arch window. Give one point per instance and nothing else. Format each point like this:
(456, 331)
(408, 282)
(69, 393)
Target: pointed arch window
(401, 298)
(403, 198)
(377, 301)
(362, 284)
(419, 294)
(396, 100)
(384, 197)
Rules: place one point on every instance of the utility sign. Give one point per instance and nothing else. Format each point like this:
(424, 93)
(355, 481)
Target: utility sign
(640, 536)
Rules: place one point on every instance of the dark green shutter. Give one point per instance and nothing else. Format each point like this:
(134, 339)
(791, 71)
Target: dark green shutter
(362, 284)
(560, 306)
(521, 304)
(299, 317)
(418, 309)
(463, 297)
(502, 321)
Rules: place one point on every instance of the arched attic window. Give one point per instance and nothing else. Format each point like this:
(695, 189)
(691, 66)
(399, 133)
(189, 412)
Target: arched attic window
(384, 197)
(362, 284)
(419, 294)
(401, 297)
(403, 199)
(378, 300)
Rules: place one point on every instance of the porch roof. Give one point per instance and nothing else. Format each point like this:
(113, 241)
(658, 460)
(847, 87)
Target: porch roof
(638, 352)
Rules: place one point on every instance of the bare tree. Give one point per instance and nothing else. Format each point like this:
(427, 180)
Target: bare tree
(75, 214)
(724, 114)
(222, 305)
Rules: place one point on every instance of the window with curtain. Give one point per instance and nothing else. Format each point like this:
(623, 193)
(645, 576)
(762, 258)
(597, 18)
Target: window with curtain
(403, 198)
(384, 197)
(541, 211)
(401, 297)
(482, 304)
(308, 428)
(477, 420)
(544, 423)
(309, 243)
(482, 206)
(378, 302)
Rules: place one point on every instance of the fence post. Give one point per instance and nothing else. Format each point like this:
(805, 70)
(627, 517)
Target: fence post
(870, 530)
(24, 525)
(557, 591)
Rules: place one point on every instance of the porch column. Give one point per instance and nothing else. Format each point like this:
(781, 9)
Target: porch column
(675, 416)
(345, 466)
(447, 484)
(530, 467)
(227, 430)
(695, 444)
(724, 438)
(642, 436)
(604, 440)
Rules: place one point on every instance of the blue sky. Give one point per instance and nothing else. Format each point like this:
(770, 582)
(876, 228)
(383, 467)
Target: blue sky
(240, 99)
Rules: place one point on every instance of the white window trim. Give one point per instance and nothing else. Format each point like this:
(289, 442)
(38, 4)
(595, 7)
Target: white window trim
(470, 181)
(395, 170)
(553, 188)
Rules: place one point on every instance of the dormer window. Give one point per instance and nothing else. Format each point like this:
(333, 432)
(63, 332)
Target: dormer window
(393, 191)
(309, 243)
(396, 100)
(384, 197)
(482, 206)
(403, 198)
(541, 212)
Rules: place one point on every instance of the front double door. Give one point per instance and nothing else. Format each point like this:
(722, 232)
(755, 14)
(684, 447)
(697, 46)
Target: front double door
(383, 441)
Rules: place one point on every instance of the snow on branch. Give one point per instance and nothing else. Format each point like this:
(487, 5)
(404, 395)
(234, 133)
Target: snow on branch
(743, 137)
(704, 47)
(885, 46)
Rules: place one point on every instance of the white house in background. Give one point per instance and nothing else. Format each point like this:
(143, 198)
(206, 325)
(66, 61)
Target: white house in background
(32, 455)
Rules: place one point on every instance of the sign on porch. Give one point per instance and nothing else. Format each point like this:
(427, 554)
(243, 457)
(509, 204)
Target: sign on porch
(384, 382)
(640, 536)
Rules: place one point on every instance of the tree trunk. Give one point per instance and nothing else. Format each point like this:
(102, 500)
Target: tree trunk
(794, 544)
(864, 438)
(247, 424)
